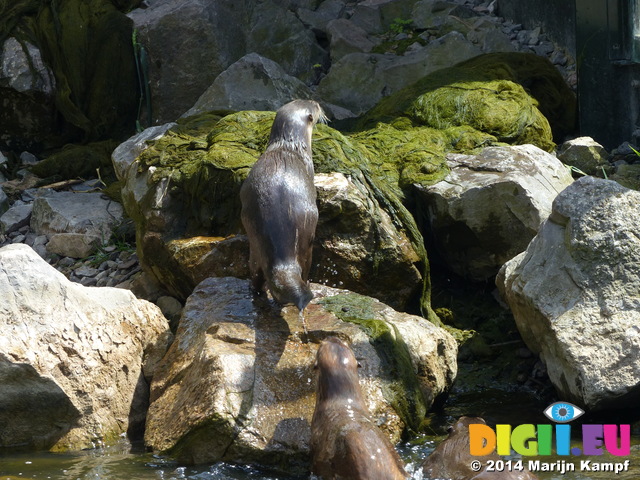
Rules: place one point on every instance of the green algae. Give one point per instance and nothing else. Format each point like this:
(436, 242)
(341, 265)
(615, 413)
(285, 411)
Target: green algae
(538, 78)
(76, 160)
(400, 387)
(500, 108)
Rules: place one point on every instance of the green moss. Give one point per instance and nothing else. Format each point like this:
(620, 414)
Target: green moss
(500, 108)
(74, 161)
(400, 383)
(537, 76)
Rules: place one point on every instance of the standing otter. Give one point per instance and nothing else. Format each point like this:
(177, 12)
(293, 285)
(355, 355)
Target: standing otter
(345, 443)
(452, 460)
(279, 210)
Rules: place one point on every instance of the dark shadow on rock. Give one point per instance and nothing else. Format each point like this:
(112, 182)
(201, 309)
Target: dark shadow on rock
(34, 411)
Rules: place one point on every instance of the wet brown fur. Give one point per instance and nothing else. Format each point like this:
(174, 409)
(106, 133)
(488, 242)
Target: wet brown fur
(279, 211)
(451, 458)
(345, 443)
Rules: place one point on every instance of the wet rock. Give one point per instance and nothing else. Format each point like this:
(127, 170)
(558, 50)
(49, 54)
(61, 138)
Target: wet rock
(88, 214)
(237, 383)
(15, 217)
(359, 80)
(252, 83)
(574, 294)
(585, 154)
(350, 227)
(490, 206)
(90, 384)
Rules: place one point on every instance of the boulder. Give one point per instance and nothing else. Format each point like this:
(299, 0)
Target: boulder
(346, 37)
(183, 194)
(574, 294)
(75, 362)
(188, 45)
(22, 68)
(252, 83)
(67, 213)
(490, 206)
(238, 385)
(318, 18)
(276, 33)
(360, 80)
(584, 154)
(125, 154)
(15, 217)
(376, 16)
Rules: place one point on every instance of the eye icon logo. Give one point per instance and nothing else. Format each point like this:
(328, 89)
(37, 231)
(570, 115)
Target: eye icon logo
(563, 412)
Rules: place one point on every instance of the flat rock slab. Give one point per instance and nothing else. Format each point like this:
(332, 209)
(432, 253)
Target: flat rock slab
(238, 382)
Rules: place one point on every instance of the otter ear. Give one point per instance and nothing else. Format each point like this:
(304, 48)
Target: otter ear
(358, 364)
(315, 365)
(310, 117)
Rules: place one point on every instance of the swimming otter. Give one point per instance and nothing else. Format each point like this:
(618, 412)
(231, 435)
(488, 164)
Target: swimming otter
(279, 210)
(452, 460)
(345, 443)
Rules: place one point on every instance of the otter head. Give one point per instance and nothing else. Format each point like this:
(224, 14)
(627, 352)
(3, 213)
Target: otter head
(294, 123)
(287, 286)
(462, 425)
(337, 371)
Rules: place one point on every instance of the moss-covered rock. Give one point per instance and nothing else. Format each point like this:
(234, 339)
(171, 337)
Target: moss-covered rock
(187, 184)
(480, 77)
(75, 160)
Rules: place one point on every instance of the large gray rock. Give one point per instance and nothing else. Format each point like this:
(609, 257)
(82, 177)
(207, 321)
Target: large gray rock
(22, 68)
(252, 83)
(575, 294)
(189, 44)
(276, 33)
(346, 37)
(375, 16)
(75, 362)
(237, 384)
(358, 81)
(67, 213)
(490, 206)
